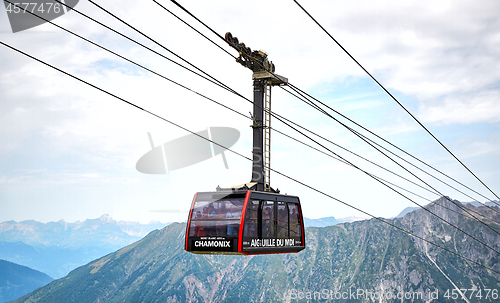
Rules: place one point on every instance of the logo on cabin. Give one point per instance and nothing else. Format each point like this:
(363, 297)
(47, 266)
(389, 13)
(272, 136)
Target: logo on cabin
(188, 150)
(25, 15)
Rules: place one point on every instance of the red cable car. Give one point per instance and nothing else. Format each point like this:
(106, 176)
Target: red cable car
(252, 218)
(244, 222)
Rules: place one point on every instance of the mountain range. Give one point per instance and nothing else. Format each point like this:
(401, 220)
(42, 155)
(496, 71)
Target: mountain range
(475, 204)
(329, 221)
(17, 280)
(362, 261)
(56, 248)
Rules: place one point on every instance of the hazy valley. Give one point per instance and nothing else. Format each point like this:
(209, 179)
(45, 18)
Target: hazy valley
(367, 256)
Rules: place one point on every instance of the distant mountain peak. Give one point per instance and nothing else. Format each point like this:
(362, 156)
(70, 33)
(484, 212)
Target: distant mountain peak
(106, 218)
(367, 255)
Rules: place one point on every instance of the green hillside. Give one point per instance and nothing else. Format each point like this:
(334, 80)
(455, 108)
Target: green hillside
(17, 280)
(356, 261)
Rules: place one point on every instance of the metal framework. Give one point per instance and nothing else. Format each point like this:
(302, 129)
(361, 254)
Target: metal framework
(263, 79)
(267, 136)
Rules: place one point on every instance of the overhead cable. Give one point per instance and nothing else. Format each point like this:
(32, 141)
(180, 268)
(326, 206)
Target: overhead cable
(210, 99)
(309, 97)
(130, 39)
(220, 104)
(187, 11)
(182, 20)
(162, 46)
(278, 117)
(400, 165)
(295, 180)
(368, 173)
(394, 98)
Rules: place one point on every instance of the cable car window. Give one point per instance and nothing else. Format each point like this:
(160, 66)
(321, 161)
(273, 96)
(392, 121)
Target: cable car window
(221, 209)
(294, 217)
(271, 223)
(200, 210)
(282, 220)
(233, 209)
(268, 221)
(251, 217)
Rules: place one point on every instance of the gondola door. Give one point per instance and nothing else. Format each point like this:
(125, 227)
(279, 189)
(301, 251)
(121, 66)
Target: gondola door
(272, 227)
(268, 222)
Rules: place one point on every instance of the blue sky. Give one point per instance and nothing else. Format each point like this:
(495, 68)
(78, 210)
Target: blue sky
(69, 151)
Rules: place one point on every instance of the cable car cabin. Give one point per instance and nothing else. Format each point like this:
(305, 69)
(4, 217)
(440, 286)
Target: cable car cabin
(244, 222)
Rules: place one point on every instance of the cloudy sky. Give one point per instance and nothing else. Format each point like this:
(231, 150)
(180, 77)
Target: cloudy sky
(69, 151)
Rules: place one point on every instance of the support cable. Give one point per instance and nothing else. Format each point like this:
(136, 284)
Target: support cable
(214, 80)
(187, 11)
(377, 150)
(394, 189)
(130, 39)
(340, 160)
(180, 19)
(284, 175)
(433, 192)
(358, 134)
(400, 165)
(394, 98)
(467, 216)
(225, 106)
(355, 154)
(210, 99)
(309, 97)
(277, 117)
(219, 83)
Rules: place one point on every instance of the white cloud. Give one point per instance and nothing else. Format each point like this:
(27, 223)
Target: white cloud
(429, 50)
(443, 55)
(480, 106)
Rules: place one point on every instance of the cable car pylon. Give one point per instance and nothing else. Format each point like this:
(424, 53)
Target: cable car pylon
(263, 79)
(252, 218)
